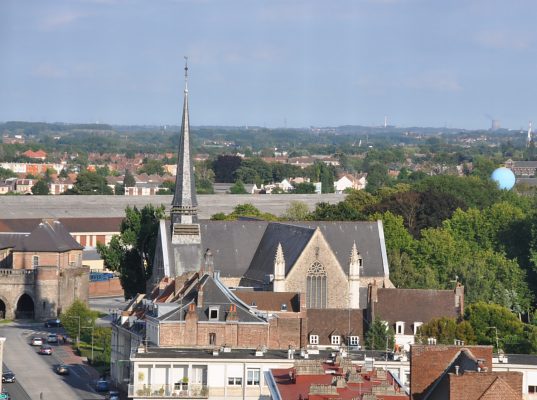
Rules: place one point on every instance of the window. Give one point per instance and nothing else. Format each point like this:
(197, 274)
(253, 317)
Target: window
(234, 381)
(354, 340)
(335, 339)
(417, 327)
(213, 313)
(400, 327)
(35, 261)
(252, 377)
(314, 339)
(212, 339)
(199, 374)
(316, 286)
(532, 389)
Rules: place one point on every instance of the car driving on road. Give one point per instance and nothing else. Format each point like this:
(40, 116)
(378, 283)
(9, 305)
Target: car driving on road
(46, 350)
(8, 377)
(37, 341)
(52, 338)
(53, 323)
(62, 369)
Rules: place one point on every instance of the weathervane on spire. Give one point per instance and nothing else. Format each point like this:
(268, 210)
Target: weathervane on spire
(186, 73)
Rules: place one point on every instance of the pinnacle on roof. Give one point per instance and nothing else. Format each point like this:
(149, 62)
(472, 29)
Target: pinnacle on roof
(184, 204)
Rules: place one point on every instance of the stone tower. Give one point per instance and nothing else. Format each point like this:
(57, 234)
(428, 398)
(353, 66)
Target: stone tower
(185, 230)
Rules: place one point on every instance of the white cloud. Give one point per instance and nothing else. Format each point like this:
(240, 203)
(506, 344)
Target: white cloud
(60, 19)
(48, 71)
(503, 40)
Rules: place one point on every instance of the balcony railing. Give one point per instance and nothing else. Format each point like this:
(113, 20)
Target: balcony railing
(176, 391)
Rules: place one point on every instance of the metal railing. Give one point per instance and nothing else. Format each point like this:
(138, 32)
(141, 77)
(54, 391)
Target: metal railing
(176, 391)
(11, 271)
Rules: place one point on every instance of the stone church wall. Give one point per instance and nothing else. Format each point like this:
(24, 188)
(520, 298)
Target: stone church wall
(337, 282)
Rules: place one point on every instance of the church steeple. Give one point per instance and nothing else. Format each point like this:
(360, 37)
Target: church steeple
(184, 205)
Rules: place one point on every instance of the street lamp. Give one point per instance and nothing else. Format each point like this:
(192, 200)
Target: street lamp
(78, 337)
(92, 330)
(2, 340)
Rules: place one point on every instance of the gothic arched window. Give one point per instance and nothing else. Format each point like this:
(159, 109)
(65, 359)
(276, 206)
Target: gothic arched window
(316, 286)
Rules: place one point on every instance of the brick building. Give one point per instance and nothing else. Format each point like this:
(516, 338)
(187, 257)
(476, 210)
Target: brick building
(41, 272)
(459, 373)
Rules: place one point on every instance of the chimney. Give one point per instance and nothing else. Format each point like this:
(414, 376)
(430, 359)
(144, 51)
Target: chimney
(200, 297)
(209, 262)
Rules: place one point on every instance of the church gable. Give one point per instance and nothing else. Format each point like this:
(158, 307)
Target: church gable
(317, 273)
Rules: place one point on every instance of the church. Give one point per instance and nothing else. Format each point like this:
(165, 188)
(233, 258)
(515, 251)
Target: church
(332, 263)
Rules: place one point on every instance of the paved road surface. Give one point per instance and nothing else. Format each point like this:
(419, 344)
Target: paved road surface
(35, 373)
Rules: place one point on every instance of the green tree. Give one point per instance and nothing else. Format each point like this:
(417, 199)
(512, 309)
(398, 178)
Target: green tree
(151, 167)
(379, 336)
(131, 252)
(297, 211)
(304, 188)
(7, 173)
(224, 168)
(40, 188)
(63, 173)
(119, 189)
(128, 179)
(238, 188)
(90, 183)
(77, 316)
(487, 320)
(334, 212)
(446, 331)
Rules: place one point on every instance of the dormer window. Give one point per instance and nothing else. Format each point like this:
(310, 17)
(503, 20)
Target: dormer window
(354, 341)
(417, 326)
(335, 340)
(314, 339)
(400, 328)
(213, 313)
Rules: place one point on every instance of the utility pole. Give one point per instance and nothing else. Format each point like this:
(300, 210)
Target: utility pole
(2, 341)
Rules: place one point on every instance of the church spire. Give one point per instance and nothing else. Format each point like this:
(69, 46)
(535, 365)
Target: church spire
(184, 204)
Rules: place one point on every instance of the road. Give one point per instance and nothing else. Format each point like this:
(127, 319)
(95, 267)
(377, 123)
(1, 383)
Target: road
(35, 373)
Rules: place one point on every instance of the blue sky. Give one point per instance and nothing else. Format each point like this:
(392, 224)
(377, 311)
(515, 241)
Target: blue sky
(277, 63)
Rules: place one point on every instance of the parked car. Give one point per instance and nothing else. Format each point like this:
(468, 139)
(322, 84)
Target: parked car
(113, 395)
(52, 338)
(53, 323)
(37, 341)
(46, 350)
(62, 369)
(8, 377)
(102, 385)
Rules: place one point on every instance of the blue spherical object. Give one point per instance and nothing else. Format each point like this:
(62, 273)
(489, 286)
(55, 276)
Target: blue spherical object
(504, 177)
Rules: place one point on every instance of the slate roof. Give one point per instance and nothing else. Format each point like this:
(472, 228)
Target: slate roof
(293, 240)
(233, 244)
(414, 305)
(27, 225)
(215, 294)
(247, 248)
(49, 236)
(10, 240)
